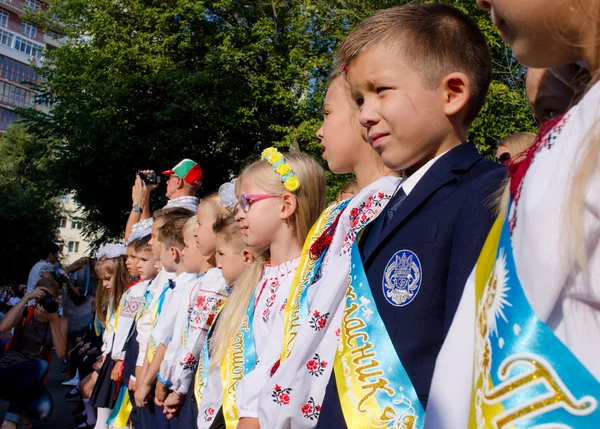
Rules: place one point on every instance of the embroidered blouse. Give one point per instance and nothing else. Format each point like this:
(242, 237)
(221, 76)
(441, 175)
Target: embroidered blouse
(271, 296)
(197, 313)
(131, 302)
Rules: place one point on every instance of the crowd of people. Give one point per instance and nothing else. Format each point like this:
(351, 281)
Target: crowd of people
(440, 290)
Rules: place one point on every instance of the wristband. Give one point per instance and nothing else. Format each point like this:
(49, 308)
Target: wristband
(136, 208)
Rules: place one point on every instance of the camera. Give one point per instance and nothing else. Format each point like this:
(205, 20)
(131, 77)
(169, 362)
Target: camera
(149, 178)
(49, 303)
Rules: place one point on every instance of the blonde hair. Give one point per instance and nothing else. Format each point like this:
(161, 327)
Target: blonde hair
(233, 313)
(311, 198)
(117, 269)
(190, 224)
(517, 143)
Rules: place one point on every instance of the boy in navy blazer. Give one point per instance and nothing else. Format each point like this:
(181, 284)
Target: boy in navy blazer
(419, 74)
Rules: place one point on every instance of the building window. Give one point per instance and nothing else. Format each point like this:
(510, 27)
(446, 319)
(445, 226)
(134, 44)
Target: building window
(63, 223)
(32, 4)
(6, 38)
(32, 49)
(7, 117)
(28, 29)
(76, 224)
(3, 18)
(73, 247)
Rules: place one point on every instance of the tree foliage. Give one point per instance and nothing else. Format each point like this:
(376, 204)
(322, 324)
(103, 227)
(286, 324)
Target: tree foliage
(29, 213)
(144, 83)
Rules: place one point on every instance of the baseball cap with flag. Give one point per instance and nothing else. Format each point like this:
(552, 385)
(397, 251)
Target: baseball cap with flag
(187, 170)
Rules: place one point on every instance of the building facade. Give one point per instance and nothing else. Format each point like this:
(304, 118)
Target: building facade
(73, 243)
(21, 45)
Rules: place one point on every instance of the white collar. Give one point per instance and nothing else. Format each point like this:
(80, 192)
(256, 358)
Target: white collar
(409, 183)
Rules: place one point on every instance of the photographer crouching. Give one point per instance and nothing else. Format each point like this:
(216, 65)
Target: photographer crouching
(25, 364)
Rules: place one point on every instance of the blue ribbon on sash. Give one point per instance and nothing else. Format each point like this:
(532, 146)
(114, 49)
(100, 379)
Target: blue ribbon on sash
(367, 367)
(525, 377)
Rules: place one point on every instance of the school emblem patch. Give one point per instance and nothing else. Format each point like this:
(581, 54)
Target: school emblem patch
(402, 278)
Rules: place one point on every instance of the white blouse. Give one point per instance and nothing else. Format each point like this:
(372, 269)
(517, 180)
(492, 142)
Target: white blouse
(270, 297)
(563, 297)
(196, 314)
(131, 303)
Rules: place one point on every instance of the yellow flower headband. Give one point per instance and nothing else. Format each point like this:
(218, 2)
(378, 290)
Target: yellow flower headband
(281, 167)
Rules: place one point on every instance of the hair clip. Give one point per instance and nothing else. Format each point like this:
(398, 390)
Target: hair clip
(282, 168)
(227, 196)
(346, 68)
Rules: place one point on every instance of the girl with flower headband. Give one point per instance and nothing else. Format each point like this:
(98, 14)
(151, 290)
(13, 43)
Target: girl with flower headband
(112, 272)
(280, 197)
(312, 317)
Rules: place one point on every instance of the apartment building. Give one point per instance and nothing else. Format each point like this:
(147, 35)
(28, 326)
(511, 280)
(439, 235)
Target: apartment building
(21, 44)
(73, 243)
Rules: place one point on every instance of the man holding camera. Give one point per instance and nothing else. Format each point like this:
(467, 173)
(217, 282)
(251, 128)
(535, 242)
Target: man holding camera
(23, 368)
(182, 181)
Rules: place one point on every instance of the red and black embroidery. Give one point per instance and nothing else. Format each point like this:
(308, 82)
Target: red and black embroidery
(209, 414)
(316, 366)
(281, 396)
(322, 243)
(189, 362)
(318, 321)
(361, 216)
(310, 410)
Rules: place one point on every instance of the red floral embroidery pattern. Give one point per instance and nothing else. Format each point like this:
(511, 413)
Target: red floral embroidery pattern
(316, 366)
(361, 216)
(281, 396)
(209, 414)
(318, 321)
(322, 243)
(310, 410)
(273, 286)
(189, 362)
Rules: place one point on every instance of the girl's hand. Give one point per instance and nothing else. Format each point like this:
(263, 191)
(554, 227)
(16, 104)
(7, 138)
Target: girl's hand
(99, 363)
(132, 384)
(160, 392)
(115, 374)
(141, 394)
(173, 404)
(248, 423)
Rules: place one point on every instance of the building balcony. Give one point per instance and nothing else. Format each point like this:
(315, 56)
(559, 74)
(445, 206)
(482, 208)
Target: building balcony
(17, 6)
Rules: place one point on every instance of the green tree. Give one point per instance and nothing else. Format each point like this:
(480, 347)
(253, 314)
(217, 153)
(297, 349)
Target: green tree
(29, 213)
(146, 83)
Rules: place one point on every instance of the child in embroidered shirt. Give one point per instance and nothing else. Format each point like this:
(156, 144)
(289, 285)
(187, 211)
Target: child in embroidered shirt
(113, 273)
(539, 267)
(170, 237)
(159, 285)
(232, 258)
(280, 198)
(198, 256)
(148, 270)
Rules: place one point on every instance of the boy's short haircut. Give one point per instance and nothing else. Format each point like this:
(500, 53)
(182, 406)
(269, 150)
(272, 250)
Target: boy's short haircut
(434, 39)
(142, 244)
(171, 213)
(171, 233)
(227, 228)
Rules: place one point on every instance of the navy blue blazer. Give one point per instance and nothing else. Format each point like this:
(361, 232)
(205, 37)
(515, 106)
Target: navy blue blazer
(442, 224)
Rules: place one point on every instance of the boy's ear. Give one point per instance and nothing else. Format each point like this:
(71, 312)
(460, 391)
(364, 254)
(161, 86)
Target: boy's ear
(248, 257)
(456, 90)
(289, 205)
